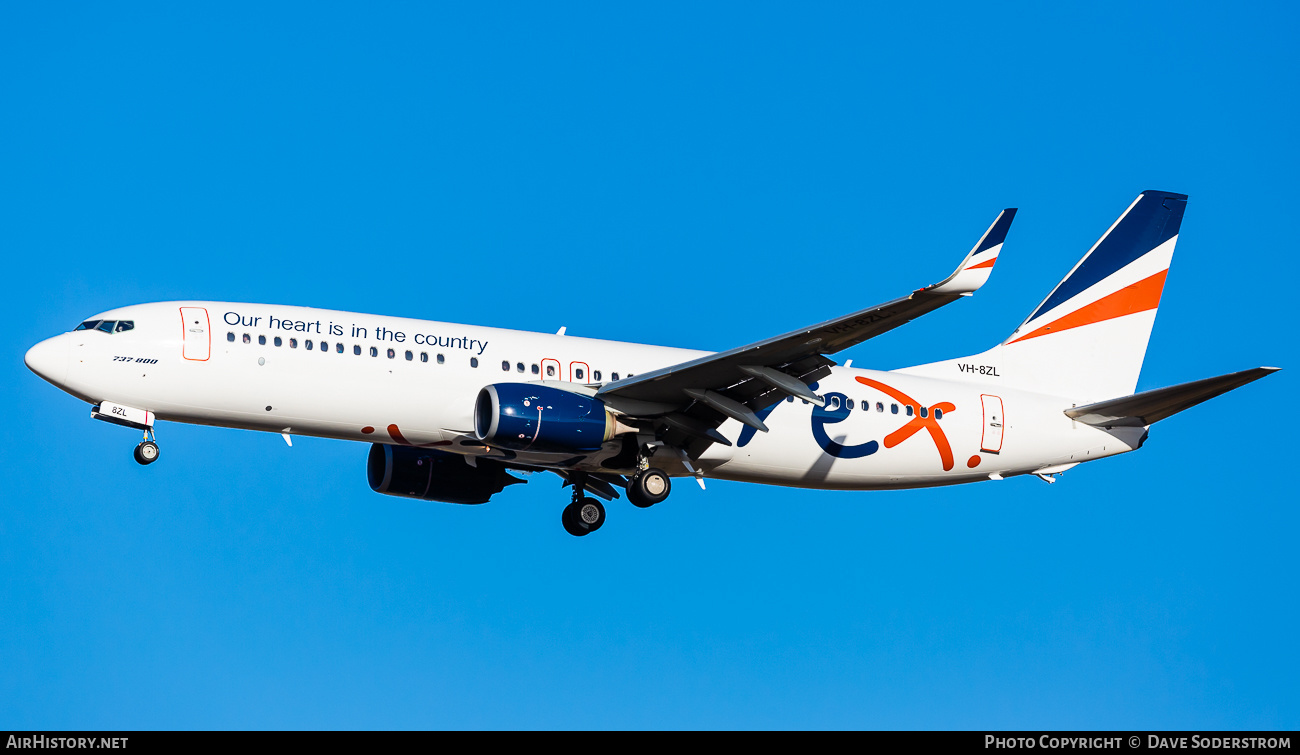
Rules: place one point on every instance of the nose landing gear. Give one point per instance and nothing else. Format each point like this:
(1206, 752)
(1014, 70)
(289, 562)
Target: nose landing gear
(128, 416)
(147, 452)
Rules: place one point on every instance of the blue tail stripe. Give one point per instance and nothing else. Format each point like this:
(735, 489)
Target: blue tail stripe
(1152, 222)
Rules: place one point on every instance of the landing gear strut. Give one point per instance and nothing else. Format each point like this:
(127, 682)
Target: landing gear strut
(147, 452)
(584, 515)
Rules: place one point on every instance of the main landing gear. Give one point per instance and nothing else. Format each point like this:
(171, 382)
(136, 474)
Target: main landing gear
(147, 452)
(648, 487)
(585, 515)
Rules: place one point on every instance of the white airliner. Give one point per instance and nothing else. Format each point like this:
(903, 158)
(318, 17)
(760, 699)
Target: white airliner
(452, 409)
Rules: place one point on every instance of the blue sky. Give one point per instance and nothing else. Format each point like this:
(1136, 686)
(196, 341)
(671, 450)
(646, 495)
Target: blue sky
(676, 174)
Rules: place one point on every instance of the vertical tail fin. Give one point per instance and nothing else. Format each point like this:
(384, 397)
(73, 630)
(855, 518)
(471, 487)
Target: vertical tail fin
(1087, 339)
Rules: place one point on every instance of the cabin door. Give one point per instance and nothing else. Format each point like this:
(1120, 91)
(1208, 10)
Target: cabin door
(198, 337)
(993, 424)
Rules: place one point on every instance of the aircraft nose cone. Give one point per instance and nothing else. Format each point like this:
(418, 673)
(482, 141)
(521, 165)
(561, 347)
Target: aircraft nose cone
(49, 359)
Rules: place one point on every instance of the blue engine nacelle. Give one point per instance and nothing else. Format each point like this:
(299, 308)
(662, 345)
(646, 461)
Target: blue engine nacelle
(433, 475)
(532, 417)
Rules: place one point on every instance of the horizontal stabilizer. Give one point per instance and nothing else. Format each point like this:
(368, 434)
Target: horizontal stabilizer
(1149, 407)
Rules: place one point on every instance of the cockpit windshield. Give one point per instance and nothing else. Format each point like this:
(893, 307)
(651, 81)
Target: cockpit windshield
(107, 326)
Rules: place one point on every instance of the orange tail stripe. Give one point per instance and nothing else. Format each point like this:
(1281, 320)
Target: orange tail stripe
(985, 263)
(1139, 297)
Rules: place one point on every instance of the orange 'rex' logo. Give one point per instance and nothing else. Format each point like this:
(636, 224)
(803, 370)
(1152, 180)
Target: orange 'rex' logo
(917, 423)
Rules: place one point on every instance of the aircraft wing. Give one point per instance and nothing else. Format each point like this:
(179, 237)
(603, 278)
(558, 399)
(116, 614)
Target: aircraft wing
(694, 397)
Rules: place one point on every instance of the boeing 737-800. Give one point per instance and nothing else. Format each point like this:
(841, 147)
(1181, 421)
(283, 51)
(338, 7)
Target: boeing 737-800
(451, 410)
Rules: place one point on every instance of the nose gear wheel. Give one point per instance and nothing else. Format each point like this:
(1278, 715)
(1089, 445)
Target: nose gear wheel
(147, 452)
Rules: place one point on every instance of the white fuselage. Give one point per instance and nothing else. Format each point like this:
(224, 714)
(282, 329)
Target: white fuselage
(415, 382)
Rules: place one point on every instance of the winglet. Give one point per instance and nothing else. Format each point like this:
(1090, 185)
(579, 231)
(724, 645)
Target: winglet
(975, 269)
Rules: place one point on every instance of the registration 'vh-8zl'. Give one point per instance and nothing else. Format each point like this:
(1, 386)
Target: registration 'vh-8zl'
(452, 410)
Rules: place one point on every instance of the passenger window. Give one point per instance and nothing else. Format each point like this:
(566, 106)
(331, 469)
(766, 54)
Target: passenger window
(247, 339)
(849, 404)
(374, 352)
(909, 410)
(307, 344)
(107, 326)
(550, 370)
(261, 340)
(293, 343)
(278, 341)
(473, 361)
(391, 353)
(519, 367)
(613, 376)
(924, 412)
(424, 356)
(578, 373)
(88, 325)
(893, 408)
(790, 399)
(880, 407)
(536, 370)
(356, 349)
(441, 359)
(938, 413)
(596, 376)
(833, 404)
(505, 365)
(123, 325)
(409, 356)
(229, 337)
